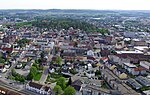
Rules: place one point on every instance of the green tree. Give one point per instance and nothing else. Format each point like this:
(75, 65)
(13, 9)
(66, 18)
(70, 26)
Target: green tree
(35, 65)
(69, 82)
(42, 55)
(58, 60)
(61, 82)
(69, 91)
(58, 90)
(2, 60)
(30, 76)
(13, 72)
(33, 70)
(32, 73)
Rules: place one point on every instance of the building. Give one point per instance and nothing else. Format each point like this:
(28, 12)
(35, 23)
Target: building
(145, 64)
(144, 81)
(147, 92)
(9, 39)
(134, 83)
(38, 88)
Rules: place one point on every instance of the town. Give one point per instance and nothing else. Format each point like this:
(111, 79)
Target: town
(74, 54)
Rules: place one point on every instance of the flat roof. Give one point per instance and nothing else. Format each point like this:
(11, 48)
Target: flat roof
(147, 92)
(141, 47)
(145, 62)
(129, 65)
(130, 52)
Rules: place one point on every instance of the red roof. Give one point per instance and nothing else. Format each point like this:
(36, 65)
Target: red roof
(139, 69)
(7, 49)
(104, 58)
(91, 58)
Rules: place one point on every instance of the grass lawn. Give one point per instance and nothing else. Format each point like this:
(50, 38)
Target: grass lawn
(55, 75)
(51, 80)
(38, 76)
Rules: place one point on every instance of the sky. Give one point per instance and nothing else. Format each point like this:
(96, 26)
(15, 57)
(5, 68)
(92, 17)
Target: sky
(76, 4)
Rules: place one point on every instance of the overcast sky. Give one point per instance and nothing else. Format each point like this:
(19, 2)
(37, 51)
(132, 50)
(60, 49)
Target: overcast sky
(76, 4)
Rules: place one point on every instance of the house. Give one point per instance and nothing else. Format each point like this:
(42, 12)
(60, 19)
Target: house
(89, 66)
(129, 67)
(19, 66)
(130, 34)
(90, 53)
(144, 81)
(103, 59)
(145, 64)
(77, 84)
(147, 92)
(137, 42)
(41, 42)
(90, 74)
(134, 83)
(38, 88)
(2, 67)
(118, 60)
(139, 71)
(134, 56)
(9, 39)
(70, 53)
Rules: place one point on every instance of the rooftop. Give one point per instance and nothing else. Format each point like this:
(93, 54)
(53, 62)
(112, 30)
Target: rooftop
(130, 65)
(129, 52)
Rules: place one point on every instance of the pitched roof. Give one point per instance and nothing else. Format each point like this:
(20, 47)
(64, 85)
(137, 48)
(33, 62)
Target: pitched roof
(77, 84)
(35, 85)
(139, 69)
(46, 88)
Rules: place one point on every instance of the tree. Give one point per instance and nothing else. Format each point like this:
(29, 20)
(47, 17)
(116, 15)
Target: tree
(13, 72)
(61, 82)
(16, 76)
(42, 55)
(30, 76)
(75, 44)
(58, 90)
(69, 82)
(69, 91)
(2, 60)
(58, 60)
(32, 73)
(35, 65)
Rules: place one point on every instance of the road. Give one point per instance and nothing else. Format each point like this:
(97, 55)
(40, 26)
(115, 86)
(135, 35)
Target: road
(46, 70)
(44, 75)
(12, 88)
(22, 55)
(112, 79)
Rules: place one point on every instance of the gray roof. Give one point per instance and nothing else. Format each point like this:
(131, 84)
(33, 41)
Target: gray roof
(144, 81)
(134, 83)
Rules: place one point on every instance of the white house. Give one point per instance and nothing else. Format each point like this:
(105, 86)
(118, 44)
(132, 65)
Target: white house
(51, 44)
(89, 66)
(41, 42)
(38, 88)
(90, 74)
(146, 92)
(145, 64)
(90, 53)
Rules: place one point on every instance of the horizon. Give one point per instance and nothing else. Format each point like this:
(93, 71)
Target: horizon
(75, 4)
(80, 9)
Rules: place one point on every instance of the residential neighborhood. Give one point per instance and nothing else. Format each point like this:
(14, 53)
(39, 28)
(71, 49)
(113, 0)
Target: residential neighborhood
(45, 61)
